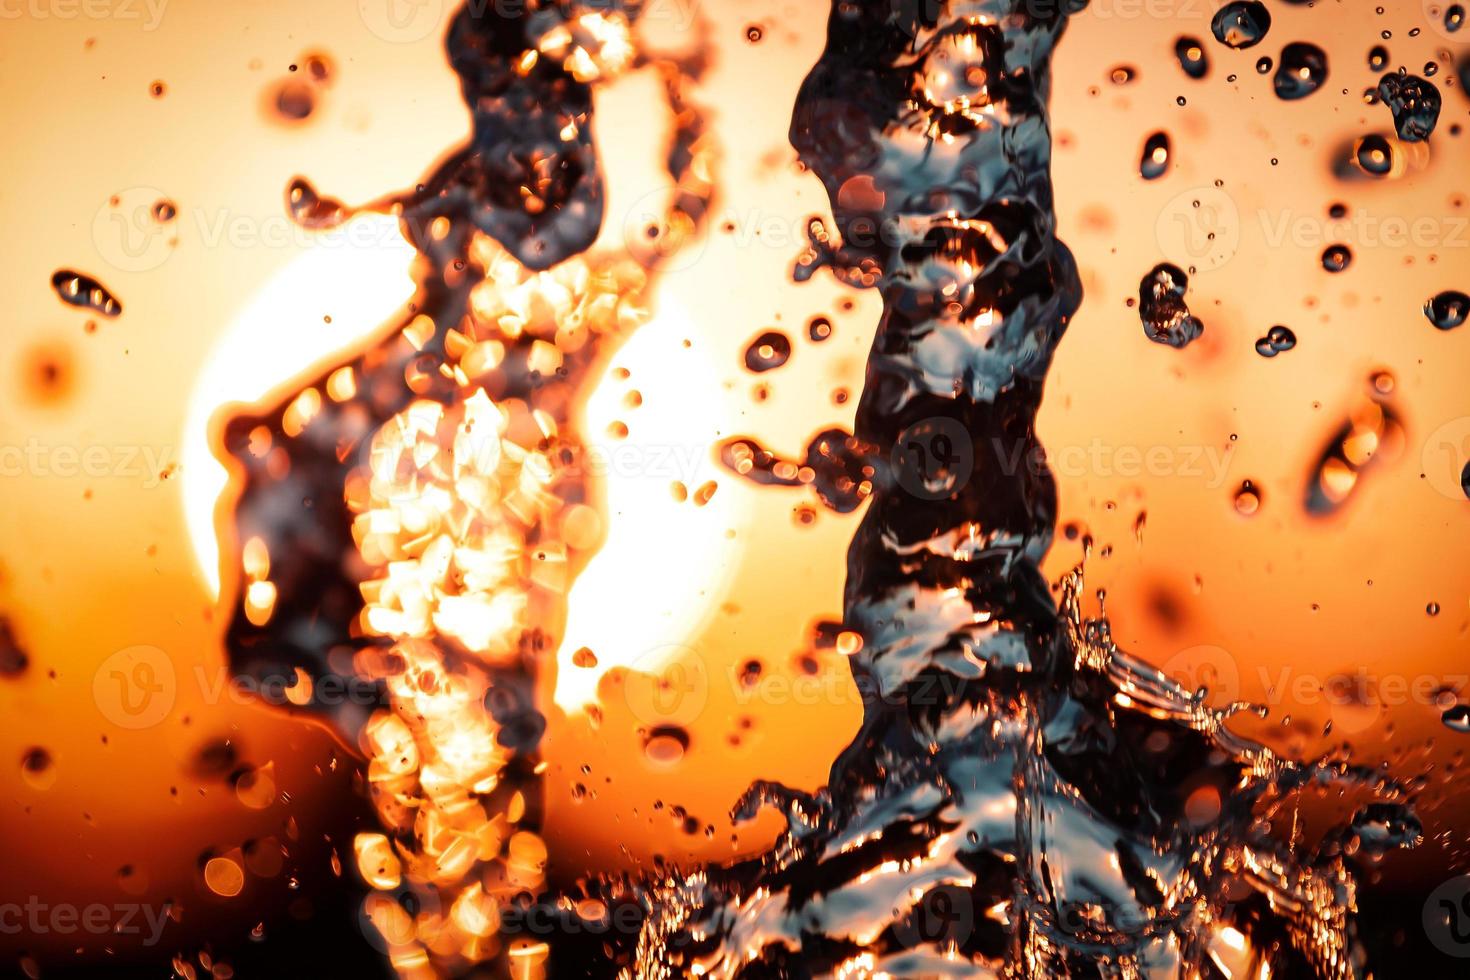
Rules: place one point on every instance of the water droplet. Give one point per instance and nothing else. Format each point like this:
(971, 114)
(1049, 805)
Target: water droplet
(1192, 57)
(77, 289)
(1414, 102)
(1263, 65)
(157, 90)
(224, 876)
(753, 33)
(1155, 159)
(1161, 307)
(1122, 75)
(164, 212)
(584, 657)
(1336, 258)
(1448, 309)
(310, 209)
(819, 329)
(666, 745)
(768, 351)
(1465, 480)
(1432, 609)
(1454, 18)
(1457, 718)
(1302, 71)
(1374, 155)
(1247, 499)
(1241, 23)
(1378, 58)
(1276, 340)
(37, 768)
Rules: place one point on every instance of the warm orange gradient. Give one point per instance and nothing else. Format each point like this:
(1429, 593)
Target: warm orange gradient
(102, 560)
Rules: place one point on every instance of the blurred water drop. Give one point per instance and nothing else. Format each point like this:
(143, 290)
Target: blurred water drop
(309, 209)
(1454, 18)
(1457, 718)
(1192, 57)
(666, 745)
(164, 212)
(1336, 258)
(1414, 102)
(1155, 160)
(1161, 307)
(1241, 23)
(1247, 499)
(768, 351)
(1371, 432)
(1303, 70)
(1447, 310)
(83, 291)
(224, 876)
(38, 768)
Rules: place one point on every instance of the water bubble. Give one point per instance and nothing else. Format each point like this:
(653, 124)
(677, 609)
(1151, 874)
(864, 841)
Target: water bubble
(1247, 499)
(1336, 258)
(1155, 160)
(1161, 307)
(1302, 71)
(77, 289)
(1241, 23)
(1448, 309)
(1192, 57)
(1378, 57)
(768, 351)
(1276, 340)
(1414, 102)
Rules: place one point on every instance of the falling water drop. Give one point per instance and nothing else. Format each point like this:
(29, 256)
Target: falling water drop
(1448, 309)
(1161, 307)
(1155, 160)
(1192, 57)
(1457, 718)
(1414, 102)
(1374, 154)
(1302, 71)
(768, 351)
(1247, 499)
(77, 289)
(1336, 258)
(1241, 23)
(38, 768)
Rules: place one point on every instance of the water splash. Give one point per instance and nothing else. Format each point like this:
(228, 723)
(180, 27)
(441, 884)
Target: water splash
(408, 518)
(1023, 798)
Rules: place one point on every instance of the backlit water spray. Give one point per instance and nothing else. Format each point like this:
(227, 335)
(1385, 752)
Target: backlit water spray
(1023, 799)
